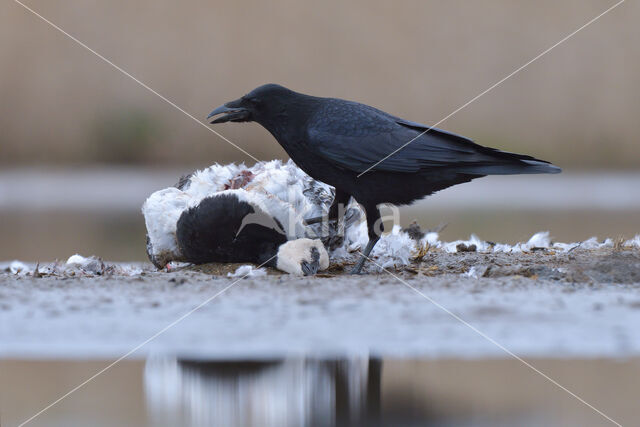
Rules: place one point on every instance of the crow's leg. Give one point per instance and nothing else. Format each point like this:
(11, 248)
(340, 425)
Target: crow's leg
(373, 215)
(365, 255)
(341, 198)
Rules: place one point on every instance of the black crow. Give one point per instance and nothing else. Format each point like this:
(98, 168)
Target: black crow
(335, 141)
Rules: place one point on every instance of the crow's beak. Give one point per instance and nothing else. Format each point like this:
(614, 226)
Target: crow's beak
(232, 113)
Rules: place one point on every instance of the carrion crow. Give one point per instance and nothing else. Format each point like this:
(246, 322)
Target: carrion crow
(335, 141)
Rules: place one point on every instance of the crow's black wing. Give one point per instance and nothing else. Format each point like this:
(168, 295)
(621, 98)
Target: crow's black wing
(355, 136)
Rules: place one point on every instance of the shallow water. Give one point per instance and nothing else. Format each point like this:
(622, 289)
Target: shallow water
(319, 392)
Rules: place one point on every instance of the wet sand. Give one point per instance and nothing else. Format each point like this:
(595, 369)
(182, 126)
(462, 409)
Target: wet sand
(544, 303)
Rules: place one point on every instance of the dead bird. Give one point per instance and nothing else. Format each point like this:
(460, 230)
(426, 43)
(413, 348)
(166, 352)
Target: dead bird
(234, 213)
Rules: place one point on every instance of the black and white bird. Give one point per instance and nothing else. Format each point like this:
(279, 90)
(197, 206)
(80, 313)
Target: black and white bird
(368, 154)
(234, 213)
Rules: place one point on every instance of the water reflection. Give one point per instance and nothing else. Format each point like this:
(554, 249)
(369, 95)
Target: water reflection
(296, 392)
(308, 391)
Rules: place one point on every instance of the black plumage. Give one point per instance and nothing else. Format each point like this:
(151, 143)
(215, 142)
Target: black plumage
(335, 141)
(215, 230)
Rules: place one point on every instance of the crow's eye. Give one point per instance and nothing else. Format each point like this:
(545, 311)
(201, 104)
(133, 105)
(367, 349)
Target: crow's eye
(253, 101)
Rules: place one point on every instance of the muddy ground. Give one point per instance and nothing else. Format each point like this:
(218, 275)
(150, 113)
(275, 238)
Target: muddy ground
(544, 303)
(608, 265)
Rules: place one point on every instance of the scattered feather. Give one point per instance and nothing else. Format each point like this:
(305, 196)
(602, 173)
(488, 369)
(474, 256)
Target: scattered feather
(248, 271)
(395, 248)
(634, 243)
(18, 267)
(92, 264)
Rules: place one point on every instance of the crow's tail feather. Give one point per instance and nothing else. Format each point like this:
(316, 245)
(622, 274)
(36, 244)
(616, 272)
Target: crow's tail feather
(509, 168)
(492, 161)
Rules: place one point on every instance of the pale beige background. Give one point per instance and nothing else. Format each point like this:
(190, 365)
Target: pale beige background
(578, 106)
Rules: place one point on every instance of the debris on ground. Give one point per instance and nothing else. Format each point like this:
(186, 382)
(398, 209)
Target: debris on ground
(591, 261)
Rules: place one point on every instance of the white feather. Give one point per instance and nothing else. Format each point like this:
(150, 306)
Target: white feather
(161, 213)
(634, 243)
(395, 248)
(248, 271)
(17, 267)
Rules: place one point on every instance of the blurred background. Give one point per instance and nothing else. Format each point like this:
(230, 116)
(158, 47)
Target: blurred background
(82, 145)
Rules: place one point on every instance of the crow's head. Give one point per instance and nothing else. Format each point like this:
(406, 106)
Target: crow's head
(259, 105)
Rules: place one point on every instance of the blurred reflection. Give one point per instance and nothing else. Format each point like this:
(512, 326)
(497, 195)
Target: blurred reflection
(460, 392)
(298, 392)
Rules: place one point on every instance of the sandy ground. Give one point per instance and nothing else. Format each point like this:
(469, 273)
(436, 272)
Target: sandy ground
(544, 303)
